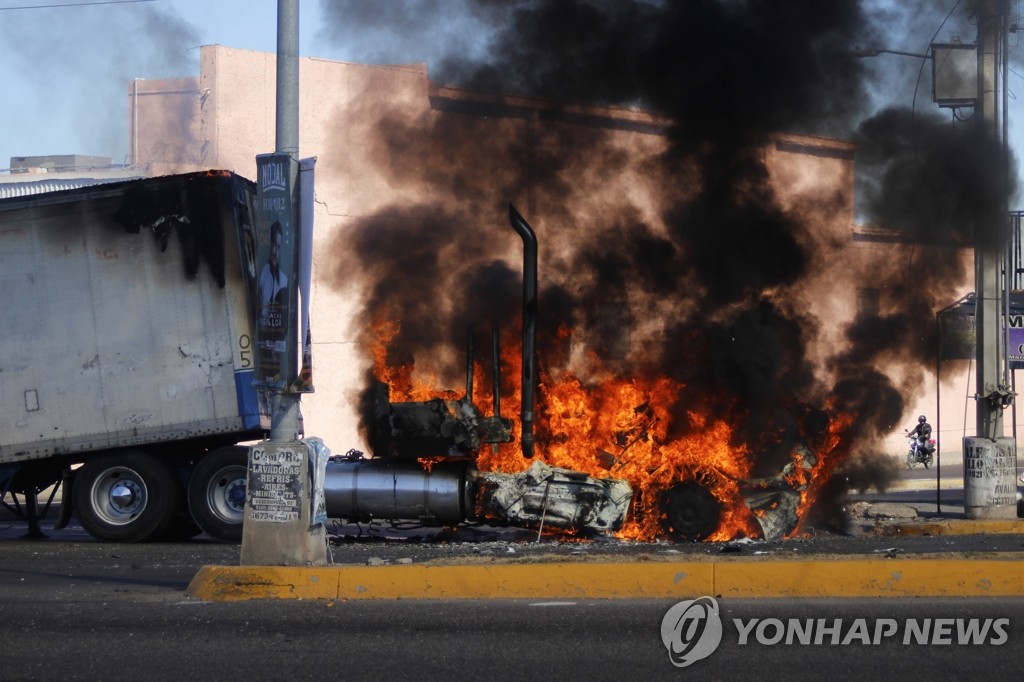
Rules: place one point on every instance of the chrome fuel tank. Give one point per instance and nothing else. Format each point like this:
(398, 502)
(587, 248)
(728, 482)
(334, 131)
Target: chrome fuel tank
(390, 489)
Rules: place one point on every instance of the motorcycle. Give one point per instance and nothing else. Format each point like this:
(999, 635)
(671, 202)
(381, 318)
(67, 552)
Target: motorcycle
(922, 451)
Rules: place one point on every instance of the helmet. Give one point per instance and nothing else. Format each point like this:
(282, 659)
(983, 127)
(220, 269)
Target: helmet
(922, 419)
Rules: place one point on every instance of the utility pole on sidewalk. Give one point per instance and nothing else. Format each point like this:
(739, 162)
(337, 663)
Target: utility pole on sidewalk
(989, 457)
(281, 525)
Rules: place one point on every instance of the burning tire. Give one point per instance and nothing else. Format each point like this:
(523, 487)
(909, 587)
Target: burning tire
(689, 511)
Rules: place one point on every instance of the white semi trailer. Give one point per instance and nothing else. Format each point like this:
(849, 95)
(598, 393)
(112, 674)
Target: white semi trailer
(126, 354)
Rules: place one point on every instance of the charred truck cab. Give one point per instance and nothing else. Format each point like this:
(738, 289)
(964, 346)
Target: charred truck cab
(425, 453)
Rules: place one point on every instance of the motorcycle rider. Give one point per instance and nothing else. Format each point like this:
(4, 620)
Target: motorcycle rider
(923, 431)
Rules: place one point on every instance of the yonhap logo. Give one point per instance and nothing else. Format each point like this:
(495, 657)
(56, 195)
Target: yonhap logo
(691, 630)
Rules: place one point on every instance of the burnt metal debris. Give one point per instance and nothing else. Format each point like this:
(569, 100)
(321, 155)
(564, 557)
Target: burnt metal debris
(545, 495)
(775, 500)
(690, 511)
(452, 492)
(432, 428)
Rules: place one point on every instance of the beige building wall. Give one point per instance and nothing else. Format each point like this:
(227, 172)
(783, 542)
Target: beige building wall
(345, 109)
(165, 122)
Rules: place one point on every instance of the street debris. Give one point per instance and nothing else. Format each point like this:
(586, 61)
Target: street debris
(775, 500)
(562, 498)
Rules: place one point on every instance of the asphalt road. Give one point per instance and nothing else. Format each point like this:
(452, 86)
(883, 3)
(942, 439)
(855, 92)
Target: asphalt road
(159, 635)
(72, 608)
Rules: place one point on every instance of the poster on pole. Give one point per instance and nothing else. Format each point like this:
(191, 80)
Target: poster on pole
(277, 257)
(958, 336)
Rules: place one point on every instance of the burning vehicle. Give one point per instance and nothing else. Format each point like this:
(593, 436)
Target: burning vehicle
(425, 452)
(719, 331)
(439, 460)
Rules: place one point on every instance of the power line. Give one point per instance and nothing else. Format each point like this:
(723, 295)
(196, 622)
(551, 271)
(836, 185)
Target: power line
(76, 4)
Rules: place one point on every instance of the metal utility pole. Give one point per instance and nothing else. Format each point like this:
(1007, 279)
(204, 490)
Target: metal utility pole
(987, 256)
(283, 522)
(285, 420)
(990, 459)
(288, 77)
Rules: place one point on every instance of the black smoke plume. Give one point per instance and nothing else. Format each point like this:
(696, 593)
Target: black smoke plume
(700, 291)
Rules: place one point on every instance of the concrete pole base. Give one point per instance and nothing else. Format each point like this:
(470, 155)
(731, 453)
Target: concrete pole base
(990, 478)
(277, 529)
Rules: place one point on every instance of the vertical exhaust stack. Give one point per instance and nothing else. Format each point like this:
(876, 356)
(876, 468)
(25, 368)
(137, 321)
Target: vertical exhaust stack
(520, 225)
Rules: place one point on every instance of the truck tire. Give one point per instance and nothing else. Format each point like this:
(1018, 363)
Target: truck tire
(216, 492)
(125, 497)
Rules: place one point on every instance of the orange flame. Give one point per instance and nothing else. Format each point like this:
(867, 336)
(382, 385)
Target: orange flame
(830, 453)
(404, 385)
(609, 427)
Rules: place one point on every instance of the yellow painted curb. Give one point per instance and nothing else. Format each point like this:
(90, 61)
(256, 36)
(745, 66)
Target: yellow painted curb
(676, 580)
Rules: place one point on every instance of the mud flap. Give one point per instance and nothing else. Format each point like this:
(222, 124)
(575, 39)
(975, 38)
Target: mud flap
(66, 484)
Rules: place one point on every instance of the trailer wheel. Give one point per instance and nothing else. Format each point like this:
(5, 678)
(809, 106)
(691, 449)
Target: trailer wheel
(216, 492)
(125, 497)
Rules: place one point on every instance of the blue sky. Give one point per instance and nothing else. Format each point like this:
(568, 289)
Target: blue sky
(66, 70)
